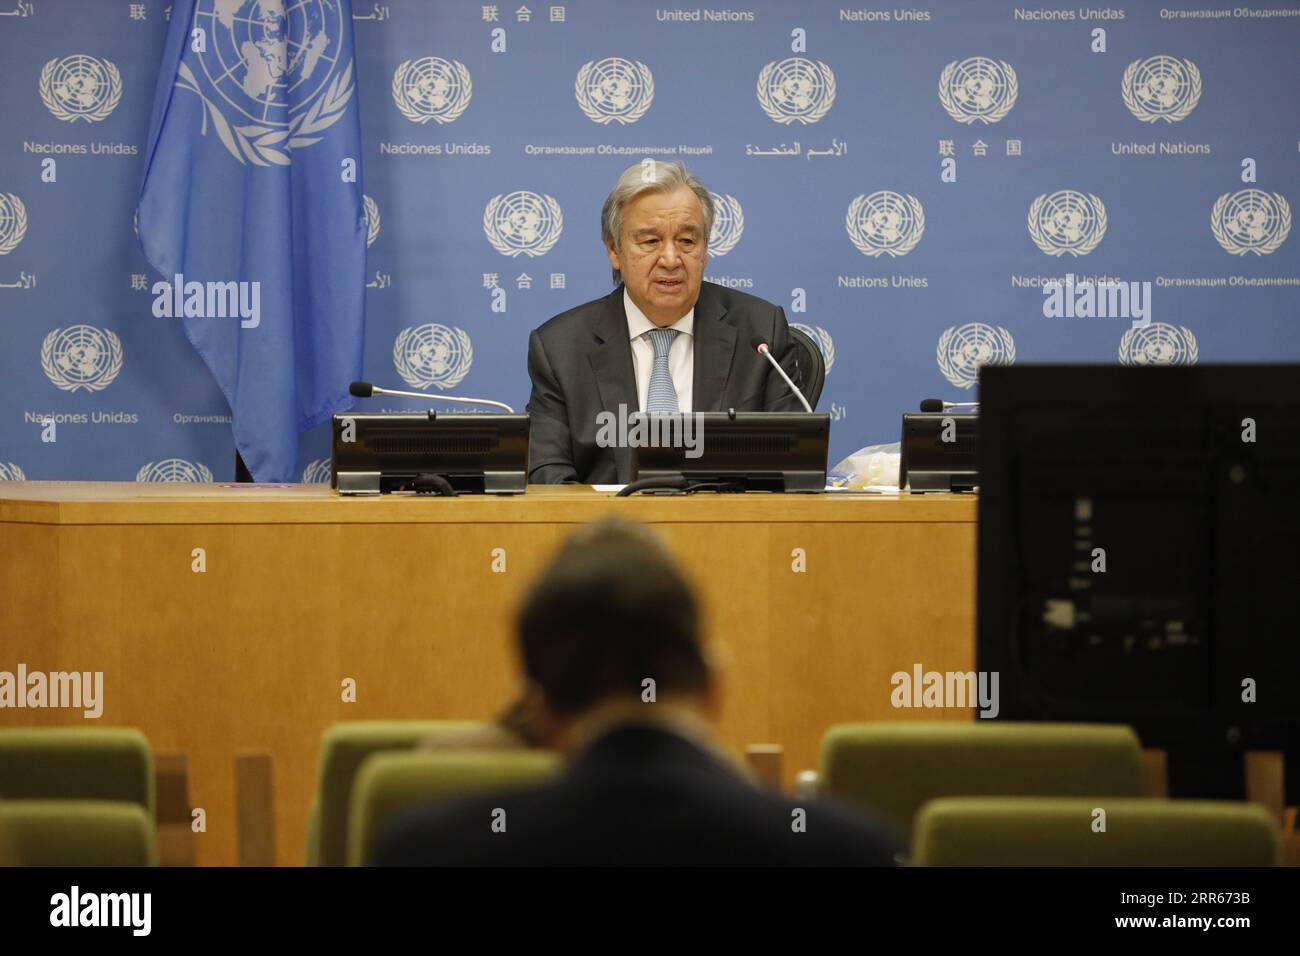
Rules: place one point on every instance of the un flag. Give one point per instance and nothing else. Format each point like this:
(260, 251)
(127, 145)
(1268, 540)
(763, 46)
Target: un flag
(247, 213)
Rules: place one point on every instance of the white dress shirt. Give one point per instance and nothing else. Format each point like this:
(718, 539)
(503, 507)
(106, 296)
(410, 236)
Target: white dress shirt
(681, 356)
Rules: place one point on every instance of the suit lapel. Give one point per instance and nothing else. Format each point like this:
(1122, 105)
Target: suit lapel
(611, 360)
(715, 349)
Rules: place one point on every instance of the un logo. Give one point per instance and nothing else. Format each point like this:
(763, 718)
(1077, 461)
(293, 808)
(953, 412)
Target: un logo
(978, 88)
(317, 472)
(1161, 88)
(431, 88)
(522, 222)
(174, 469)
(796, 90)
(1251, 220)
(1067, 221)
(371, 212)
(13, 222)
(432, 355)
(11, 472)
(614, 90)
(279, 72)
(80, 87)
(1158, 344)
(823, 340)
(885, 223)
(964, 348)
(81, 356)
(728, 224)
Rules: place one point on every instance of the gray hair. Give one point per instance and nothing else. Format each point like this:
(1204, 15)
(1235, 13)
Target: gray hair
(648, 176)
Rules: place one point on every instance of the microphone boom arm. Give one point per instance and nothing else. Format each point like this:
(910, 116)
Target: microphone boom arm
(444, 398)
(766, 352)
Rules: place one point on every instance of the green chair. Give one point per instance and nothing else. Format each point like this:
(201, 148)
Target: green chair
(344, 747)
(392, 784)
(76, 833)
(1053, 831)
(892, 769)
(38, 763)
(313, 834)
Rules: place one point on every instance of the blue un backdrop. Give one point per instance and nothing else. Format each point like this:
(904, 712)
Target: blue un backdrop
(902, 180)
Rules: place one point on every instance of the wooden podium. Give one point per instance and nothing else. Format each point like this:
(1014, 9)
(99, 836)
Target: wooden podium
(812, 603)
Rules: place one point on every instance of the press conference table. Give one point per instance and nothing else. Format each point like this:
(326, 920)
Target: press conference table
(412, 598)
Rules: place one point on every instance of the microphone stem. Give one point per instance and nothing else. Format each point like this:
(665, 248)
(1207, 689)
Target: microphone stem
(445, 398)
(767, 353)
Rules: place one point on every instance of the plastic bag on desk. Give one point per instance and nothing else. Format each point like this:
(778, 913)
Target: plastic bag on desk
(870, 467)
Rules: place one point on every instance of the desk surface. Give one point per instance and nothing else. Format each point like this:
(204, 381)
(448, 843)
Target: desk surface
(129, 502)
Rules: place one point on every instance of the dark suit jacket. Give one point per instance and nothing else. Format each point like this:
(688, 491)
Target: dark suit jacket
(580, 363)
(639, 796)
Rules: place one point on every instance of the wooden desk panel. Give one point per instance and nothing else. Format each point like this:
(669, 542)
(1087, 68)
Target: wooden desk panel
(303, 589)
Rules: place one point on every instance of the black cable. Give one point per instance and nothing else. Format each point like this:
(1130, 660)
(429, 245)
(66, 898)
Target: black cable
(433, 484)
(667, 482)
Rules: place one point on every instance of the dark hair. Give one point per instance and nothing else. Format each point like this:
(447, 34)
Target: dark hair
(610, 610)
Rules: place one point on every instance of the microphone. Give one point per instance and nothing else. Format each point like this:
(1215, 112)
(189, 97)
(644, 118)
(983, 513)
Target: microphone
(936, 405)
(365, 390)
(762, 348)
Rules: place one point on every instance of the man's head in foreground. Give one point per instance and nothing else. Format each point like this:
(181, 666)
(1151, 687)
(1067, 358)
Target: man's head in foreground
(645, 784)
(655, 225)
(611, 613)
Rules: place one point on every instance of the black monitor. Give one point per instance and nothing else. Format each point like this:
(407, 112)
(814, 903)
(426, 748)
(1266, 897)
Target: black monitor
(1188, 481)
(735, 451)
(429, 453)
(937, 451)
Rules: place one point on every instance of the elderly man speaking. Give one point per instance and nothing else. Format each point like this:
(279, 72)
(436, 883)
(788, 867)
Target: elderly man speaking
(663, 341)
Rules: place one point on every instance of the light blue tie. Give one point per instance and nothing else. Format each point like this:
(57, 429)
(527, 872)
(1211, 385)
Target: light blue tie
(662, 397)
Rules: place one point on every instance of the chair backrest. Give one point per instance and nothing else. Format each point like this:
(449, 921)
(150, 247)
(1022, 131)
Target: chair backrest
(812, 366)
(344, 747)
(74, 763)
(892, 769)
(1054, 831)
(76, 833)
(393, 784)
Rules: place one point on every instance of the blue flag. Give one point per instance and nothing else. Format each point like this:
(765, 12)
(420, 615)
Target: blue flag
(249, 212)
